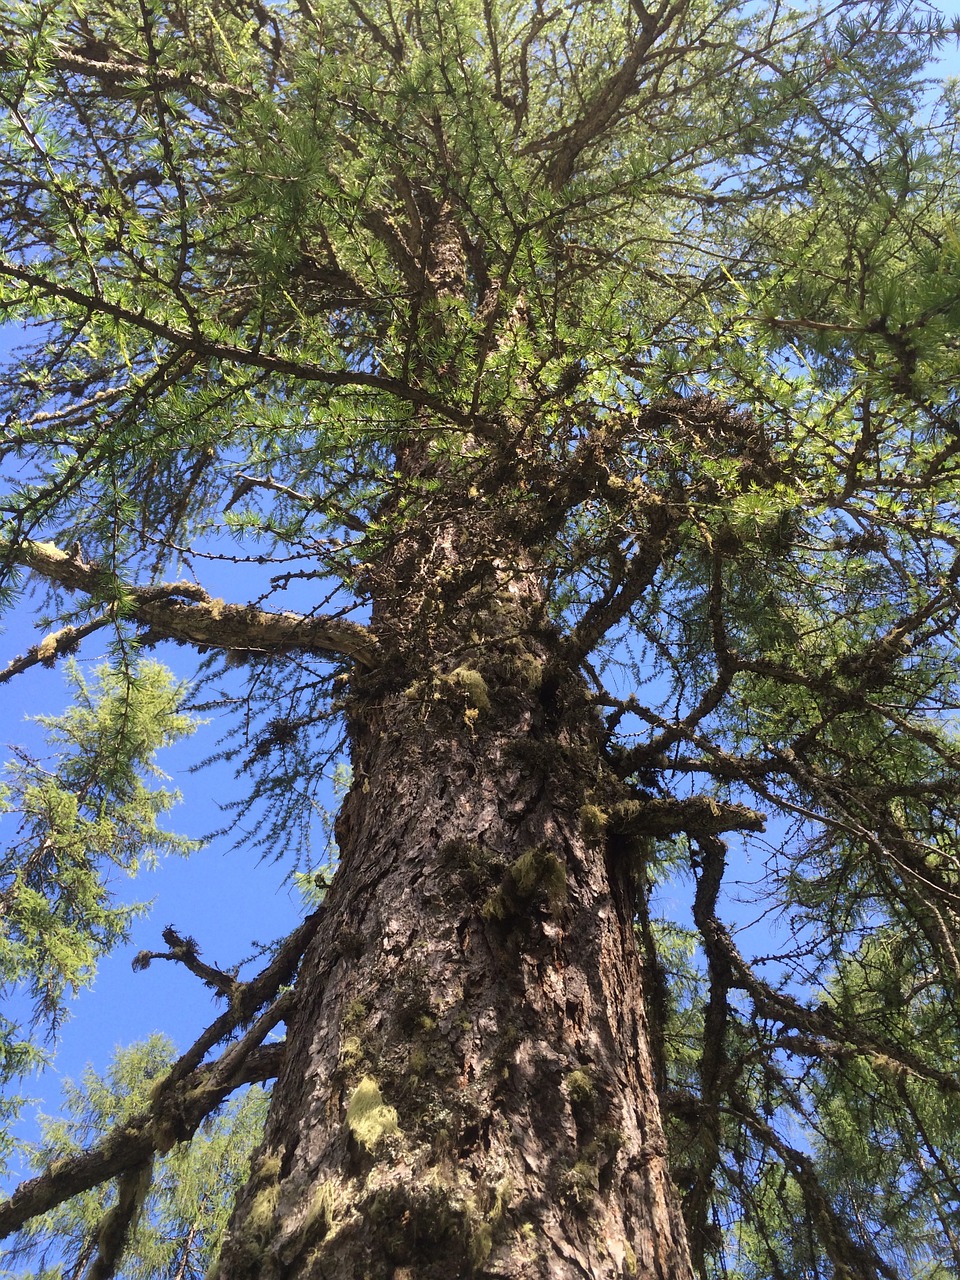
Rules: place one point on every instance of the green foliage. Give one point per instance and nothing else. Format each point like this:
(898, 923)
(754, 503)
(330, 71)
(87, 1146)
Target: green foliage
(79, 823)
(185, 1213)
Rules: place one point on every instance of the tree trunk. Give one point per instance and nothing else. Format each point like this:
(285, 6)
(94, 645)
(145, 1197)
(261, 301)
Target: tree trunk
(468, 1089)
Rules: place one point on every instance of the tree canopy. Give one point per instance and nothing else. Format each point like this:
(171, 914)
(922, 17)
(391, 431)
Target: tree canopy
(667, 298)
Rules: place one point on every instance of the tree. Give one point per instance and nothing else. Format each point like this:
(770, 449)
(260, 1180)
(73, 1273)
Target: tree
(186, 1206)
(591, 374)
(77, 822)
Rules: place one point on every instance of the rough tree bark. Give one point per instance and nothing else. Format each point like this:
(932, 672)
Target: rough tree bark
(468, 1087)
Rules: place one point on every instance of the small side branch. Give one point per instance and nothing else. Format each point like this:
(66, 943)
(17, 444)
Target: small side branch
(821, 1022)
(247, 484)
(56, 645)
(188, 340)
(850, 1256)
(186, 952)
(638, 575)
(115, 75)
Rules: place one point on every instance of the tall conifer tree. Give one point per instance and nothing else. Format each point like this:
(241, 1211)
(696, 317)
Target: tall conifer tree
(590, 371)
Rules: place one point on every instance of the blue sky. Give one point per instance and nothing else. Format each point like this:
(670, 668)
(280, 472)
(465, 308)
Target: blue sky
(227, 898)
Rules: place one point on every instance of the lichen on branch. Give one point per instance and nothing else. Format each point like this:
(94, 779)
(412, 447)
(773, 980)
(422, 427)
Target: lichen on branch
(184, 612)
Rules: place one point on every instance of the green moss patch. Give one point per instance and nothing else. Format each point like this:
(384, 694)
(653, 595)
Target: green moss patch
(471, 684)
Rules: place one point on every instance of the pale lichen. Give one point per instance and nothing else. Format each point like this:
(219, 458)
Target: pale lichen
(593, 821)
(537, 871)
(47, 648)
(581, 1183)
(324, 1209)
(41, 550)
(369, 1118)
(257, 1228)
(580, 1088)
(351, 1053)
(418, 1060)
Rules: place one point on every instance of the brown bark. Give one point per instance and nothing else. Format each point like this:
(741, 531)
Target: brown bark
(468, 1088)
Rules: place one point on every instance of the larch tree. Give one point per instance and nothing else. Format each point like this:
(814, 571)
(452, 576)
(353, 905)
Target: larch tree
(582, 382)
(185, 1206)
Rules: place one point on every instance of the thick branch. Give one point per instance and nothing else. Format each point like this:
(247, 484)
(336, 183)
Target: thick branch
(697, 816)
(610, 96)
(183, 611)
